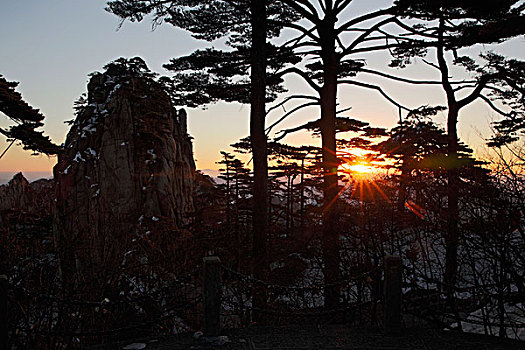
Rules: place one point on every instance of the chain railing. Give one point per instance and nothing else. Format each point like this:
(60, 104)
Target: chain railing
(228, 299)
(380, 292)
(463, 306)
(44, 325)
(224, 299)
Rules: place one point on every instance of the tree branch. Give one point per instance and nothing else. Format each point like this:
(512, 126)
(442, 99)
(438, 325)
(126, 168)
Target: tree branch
(363, 18)
(443, 65)
(392, 77)
(377, 88)
(307, 32)
(369, 31)
(302, 75)
(477, 90)
(433, 65)
(299, 38)
(297, 128)
(413, 31)
(311, 16)
(341, 5)
(289, 98)
(286, 115)
(491, 105)
(321, 4)
(388, 46)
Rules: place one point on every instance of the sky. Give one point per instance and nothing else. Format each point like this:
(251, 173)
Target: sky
(50, 47)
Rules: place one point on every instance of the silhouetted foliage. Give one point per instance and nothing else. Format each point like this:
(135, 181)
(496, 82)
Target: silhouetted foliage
(317, 254)
(27, 118)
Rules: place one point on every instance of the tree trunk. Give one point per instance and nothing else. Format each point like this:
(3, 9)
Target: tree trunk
(228, 194)
(403, 184)
(288, 200)
(292, 203)
(259, 151)
(452, 235)
(330, 217)
(302, 194)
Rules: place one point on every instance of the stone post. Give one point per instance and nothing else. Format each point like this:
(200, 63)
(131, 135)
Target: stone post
(3, 313)
(212, 296)
(393, 294)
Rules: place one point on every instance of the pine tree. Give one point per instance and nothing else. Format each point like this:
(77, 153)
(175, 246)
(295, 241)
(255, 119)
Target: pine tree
(27, 119)
(461, 24)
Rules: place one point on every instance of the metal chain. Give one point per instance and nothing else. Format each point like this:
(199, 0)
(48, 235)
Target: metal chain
(455, 317)
(93, 333)
(282, 287)
(314, 313)
(103, 302)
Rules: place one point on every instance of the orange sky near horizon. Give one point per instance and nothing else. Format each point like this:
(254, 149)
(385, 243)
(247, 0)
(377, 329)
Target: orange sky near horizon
(16, 159)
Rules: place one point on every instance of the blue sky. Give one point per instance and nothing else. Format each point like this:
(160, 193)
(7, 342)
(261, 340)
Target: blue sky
(50, 46)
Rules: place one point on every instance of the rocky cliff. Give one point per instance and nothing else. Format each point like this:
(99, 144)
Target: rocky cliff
(35, 198)
(127, 164)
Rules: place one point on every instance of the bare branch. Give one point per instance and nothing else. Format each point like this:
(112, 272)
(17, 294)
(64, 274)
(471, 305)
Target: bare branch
(299, 38)
(340, 42)
(433, 65)
(477, 90)
(307, 4)
(377, 88)
(302, 75)
(491, 105)
(363, 18)
(286, 115)
(304, 44)
(360, 39)
(321, 4)
(341, 5)
(393, 77)
(343, 110)
(297, 128)
(307, 32)
(7, 149)
(289, 98)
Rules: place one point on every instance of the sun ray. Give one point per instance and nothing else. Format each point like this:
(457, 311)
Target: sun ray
(361, 196)
(354, 189)
(332, 201)
(367, 187)
(381, 191)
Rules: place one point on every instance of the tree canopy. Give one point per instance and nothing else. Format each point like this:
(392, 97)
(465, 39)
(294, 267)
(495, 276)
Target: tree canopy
(27, 119)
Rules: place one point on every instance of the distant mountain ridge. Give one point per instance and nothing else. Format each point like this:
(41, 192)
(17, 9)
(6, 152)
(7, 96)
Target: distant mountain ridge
(6, 176)
(19, 194)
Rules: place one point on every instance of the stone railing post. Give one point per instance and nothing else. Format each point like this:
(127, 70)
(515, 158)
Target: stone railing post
(393, 294)
(212, 296)
(3, 313)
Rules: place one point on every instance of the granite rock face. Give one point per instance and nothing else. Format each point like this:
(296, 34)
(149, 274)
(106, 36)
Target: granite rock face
(36, 198)
(127, 162)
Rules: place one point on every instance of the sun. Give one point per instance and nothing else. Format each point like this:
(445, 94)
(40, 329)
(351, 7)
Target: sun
(359, 169)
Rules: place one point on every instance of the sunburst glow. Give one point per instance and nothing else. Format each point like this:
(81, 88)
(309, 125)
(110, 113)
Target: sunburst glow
(357, 168)
(360, 181)
(361, 168)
